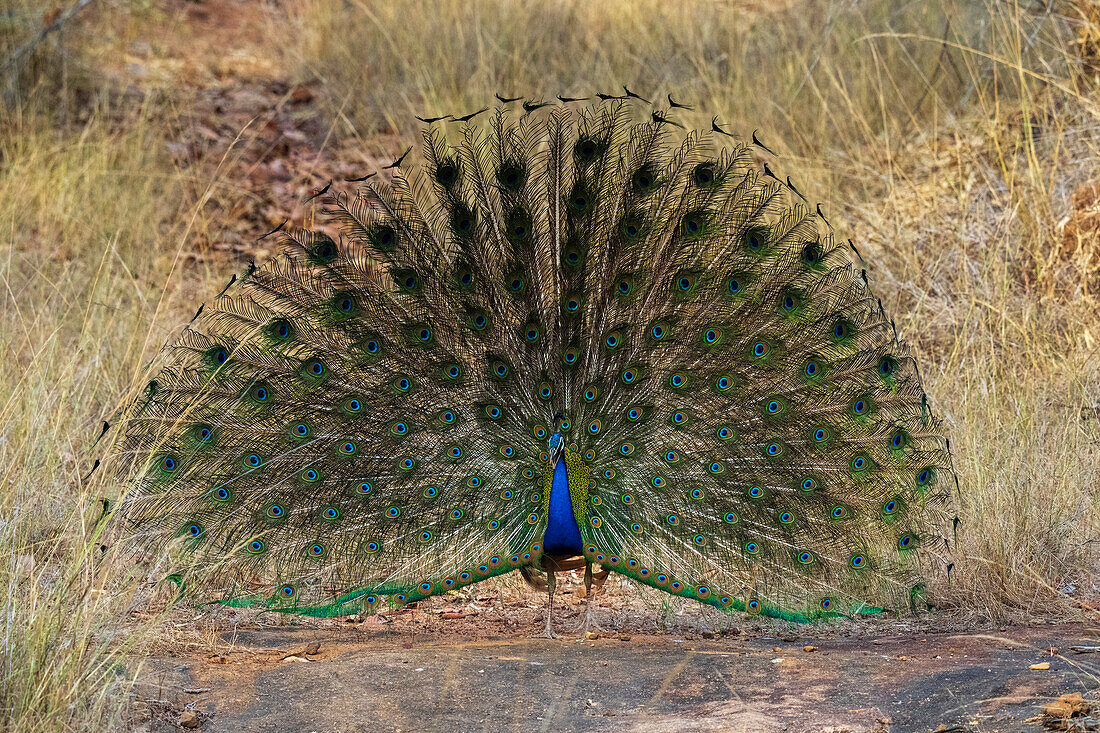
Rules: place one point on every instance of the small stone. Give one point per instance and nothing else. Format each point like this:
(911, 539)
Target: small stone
(624, 637)
(591, 635)
(313, 647)
(708, 634)
(189, 719)
(1041, 665)
(809, 648)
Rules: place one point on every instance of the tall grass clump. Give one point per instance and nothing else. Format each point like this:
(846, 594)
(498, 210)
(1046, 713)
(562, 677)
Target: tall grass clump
(947, 138)
(91, 219)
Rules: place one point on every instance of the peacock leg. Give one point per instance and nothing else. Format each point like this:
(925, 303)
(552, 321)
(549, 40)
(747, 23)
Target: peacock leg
(588, 593)
(551, 582)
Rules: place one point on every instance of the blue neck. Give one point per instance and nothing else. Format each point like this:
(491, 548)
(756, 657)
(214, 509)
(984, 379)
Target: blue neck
(562, 537)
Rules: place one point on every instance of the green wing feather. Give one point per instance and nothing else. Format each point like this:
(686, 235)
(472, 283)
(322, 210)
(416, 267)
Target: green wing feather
(367, 419)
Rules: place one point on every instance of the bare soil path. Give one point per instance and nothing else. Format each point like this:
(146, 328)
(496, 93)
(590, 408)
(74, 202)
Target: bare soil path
(300, 679)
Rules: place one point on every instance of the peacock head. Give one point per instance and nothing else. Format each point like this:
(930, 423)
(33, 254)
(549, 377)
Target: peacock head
(556, 444)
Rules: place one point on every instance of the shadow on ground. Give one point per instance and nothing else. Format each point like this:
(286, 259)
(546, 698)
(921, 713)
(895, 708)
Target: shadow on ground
(310, 680)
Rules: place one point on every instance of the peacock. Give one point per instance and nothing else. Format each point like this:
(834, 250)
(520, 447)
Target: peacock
(575, 335)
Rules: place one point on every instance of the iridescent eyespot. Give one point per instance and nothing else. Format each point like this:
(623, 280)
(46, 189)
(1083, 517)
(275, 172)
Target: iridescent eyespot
(331, 513)
(755, 492)
(752, 548)
(723, 433)
(168, 463)
(221, 493)
(658, 482)
(316, 550)
(786, 517)
(730, 518)
(715, 467)
(372, 547)
(493, 524)
(589, 455)
(590, 394)
(679, 418)
(425, 536)
(393, 512)
(699, 539)
(826, 604)
(697, 493)
(288, 591)
(364, 487)
(633, 414)
(253, 460)
(609, 473)
(311, 475)
(676, 380)
(626, 449)
(723, 383)
(492, 411)
(805, 558)
(753, 605)
(759, 348)
(774, 449)
(275, 511)
(431, 492)
(473, 482)
(507, 494)
(507, 451)
(256, 547)
(808, 484)
(890, 507)
(926, 477)
(672, 456)
(194, 530)
(636, 528)
(839, 512)
(353, 405)
(858, 561)
(594, 427)
(905, 542)
(672, 519)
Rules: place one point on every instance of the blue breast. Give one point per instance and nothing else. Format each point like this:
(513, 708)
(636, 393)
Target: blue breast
(562, 537)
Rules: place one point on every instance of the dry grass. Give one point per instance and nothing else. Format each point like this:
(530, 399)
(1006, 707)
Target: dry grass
(950, 151)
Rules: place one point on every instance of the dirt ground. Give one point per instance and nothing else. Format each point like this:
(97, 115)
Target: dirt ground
(396, 678)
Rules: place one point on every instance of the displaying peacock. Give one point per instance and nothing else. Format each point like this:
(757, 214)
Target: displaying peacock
(575, 337)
